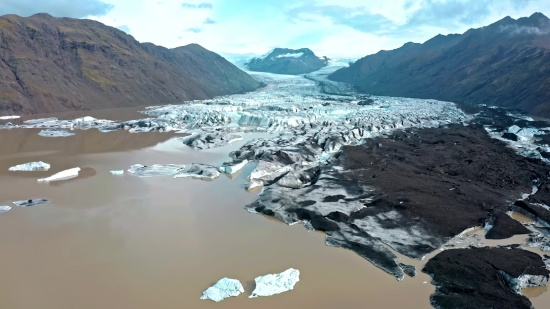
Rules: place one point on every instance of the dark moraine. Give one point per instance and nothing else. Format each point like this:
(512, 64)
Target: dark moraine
(413, 190)
(484, 277)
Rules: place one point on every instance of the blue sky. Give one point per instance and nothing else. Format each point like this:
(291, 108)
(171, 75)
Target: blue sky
(334, 28)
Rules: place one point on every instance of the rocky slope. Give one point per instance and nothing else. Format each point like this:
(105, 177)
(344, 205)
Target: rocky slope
(504, 64)
(288, 61)
(52, 64)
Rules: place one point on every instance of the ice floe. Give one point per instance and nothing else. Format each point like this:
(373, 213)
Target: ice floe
(31, 202)
(31, 166)
(4, 209)
(272, 284)
(120, 172)
(200, 171)
(223, 289)
(9, 117)
(155, 170)
(232, 167)
(63, 175)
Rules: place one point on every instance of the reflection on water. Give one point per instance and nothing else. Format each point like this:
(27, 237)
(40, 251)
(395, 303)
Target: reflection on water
(127, 242)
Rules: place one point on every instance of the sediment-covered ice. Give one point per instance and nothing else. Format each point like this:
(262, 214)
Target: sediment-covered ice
(272, 284)
(223, 289)
(63, 175)
(4, 209)
(31, 202)
(31, 166)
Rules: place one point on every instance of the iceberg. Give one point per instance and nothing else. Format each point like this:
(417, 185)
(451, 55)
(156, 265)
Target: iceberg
(223, 289)
(55, 133)
(155, 170)
(276, 283)
(63, 175)
(4, 209)
(232, 167)
(201, 171)
(31, 166)
(31, 202)
(9, 117)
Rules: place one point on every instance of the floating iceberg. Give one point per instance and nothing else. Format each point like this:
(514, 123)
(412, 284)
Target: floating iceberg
(121, 172)
(31, 202)
(55, 133)
(223, 289)
(232, 167)
(276, 283)
(63, 175)
(201, 171)
(31, 166)
(4, 209)
(9, 117)
(155, 170)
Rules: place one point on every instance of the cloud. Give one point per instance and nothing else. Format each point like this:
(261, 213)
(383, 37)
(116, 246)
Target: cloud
(209, 21)
(56, 8)
(358, 18)
(194, 30)
(448, 13)
(515, 29)
(203, 5)
(124, 28)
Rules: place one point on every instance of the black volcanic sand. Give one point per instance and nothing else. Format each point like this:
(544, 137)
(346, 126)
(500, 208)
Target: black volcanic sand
(473, 278)
(413, 191)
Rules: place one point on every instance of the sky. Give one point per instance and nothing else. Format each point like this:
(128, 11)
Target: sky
(334, 28)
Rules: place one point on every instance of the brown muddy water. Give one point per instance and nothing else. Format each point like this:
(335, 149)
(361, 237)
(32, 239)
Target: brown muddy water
(110, 241)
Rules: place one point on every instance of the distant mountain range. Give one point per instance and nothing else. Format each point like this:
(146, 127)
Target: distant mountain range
(506, 63)
(287, 61)
(52, 64)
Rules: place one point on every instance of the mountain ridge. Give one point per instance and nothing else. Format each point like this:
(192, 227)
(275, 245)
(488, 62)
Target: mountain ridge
(51, 64)
(506, 63)
(287, 61)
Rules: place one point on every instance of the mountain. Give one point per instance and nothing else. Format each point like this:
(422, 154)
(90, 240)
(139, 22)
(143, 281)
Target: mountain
(506, 63)
(52, 64)
(288, 61)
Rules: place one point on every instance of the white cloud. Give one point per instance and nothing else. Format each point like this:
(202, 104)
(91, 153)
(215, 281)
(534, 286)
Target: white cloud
(257, 26)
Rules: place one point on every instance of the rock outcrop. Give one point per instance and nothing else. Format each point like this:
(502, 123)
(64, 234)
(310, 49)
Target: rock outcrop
(288, 61)
(52, 64)
(505, 64)
(484, 278)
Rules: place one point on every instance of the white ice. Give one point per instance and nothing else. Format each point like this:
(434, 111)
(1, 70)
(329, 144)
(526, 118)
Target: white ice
(31, 166)
(63, 175)
(4, 209)
(9, 117)
(276, 283)
(121, 172)
(223, 289)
